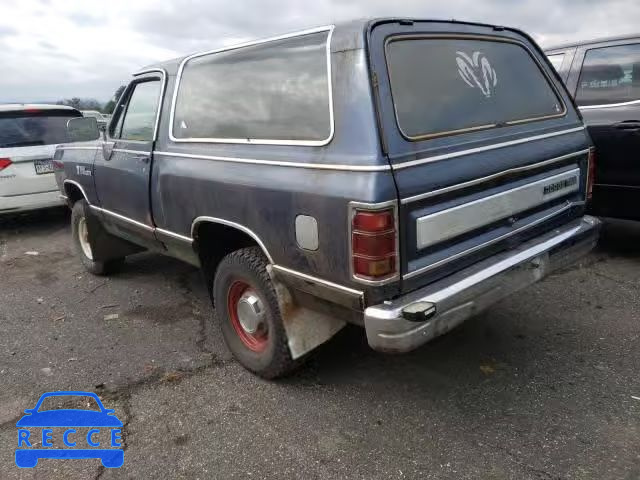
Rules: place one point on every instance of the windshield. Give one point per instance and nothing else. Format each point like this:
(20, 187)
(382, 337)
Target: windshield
(21, 130)
(442, 86)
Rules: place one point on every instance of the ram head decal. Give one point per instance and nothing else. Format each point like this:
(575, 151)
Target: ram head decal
(477, 72)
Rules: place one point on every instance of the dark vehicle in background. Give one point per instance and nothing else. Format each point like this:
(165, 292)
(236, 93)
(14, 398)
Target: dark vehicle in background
(604, 77)
(29, 135)
(401, 175)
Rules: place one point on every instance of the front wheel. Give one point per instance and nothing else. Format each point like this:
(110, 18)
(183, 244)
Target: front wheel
(82, 243)
(247, 309)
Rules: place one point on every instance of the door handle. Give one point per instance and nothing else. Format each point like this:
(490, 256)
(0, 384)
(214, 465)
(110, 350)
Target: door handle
(630, 125)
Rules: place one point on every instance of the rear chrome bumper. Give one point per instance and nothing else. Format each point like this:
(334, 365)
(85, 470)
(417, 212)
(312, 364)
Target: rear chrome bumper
(450, 301)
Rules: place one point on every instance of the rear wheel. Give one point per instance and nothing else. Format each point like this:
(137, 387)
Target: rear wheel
(80, 234)
(249, 316)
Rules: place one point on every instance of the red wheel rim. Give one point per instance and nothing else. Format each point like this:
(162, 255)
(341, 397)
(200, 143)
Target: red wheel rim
(256, 342)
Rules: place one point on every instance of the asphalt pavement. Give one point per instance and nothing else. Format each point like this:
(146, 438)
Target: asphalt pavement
(544, 385)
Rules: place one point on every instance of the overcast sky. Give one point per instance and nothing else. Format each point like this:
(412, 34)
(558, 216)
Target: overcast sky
(52, 49)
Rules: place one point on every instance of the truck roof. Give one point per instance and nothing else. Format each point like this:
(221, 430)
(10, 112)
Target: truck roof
(591, 41)
(347, 35)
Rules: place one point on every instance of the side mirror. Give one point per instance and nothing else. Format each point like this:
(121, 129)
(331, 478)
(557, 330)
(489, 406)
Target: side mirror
(83, 129)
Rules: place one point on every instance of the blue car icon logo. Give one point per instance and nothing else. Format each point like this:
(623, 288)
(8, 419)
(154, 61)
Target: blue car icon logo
(69, 433)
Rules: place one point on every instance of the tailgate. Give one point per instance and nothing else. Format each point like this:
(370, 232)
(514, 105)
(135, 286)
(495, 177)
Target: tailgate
(485, 145)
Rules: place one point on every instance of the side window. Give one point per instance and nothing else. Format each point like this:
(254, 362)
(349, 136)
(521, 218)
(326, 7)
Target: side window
(140, 116)
(556, 60)
(610, 75)
(276, 91)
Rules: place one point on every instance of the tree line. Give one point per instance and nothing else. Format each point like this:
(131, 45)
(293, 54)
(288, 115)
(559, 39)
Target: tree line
(92, 103)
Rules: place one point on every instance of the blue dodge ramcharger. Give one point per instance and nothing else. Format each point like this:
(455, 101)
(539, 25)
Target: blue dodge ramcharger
(397, 174)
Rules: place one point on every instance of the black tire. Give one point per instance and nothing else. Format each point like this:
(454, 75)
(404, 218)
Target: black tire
(249, 266)
(79, 214)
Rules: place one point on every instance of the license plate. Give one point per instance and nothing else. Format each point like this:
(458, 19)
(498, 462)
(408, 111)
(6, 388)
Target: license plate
(43, 166)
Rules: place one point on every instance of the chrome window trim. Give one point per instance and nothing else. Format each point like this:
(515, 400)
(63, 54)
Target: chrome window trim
(163, 85)
(494, 208)
(486, 38)
(311, 278)
(123, 218)
(495, 146)
(609, 105)
(73, 182)
(488, 178)
(229, 223)
(120, 104)
(464, 253)
(276, 163)
(327, 28)
(351, 208)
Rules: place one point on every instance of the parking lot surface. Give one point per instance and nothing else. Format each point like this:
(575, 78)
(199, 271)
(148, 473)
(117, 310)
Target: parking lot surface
(544, 385)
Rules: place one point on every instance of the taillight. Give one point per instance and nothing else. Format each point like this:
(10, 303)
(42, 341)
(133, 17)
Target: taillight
(374, 245)
(591, 172)
(4, 163)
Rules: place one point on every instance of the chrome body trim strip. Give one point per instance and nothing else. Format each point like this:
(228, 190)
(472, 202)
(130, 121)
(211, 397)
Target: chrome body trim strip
(495, 146)
(609, 105)
(310, 278)
(275, 163)
(64, 147)
(177, 236)
(451, 222)
(488, 178)
(328, 28)
(444, 261)
(133, 152)
(229, 223)
(123, 218)
(367, 168)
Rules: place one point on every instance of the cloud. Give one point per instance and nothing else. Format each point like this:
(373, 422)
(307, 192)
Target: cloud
(62, 48)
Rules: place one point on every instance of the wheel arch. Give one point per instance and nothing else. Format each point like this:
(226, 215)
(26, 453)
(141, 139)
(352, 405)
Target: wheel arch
(214, 238)
(74, 191)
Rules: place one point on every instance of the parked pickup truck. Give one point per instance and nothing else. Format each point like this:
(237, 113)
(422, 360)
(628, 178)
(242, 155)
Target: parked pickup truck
(401, 175)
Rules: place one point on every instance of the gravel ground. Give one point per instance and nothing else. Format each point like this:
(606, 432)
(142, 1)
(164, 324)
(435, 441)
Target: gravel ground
(541, 386)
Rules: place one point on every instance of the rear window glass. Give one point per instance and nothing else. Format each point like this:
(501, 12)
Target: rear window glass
(276, 91)
(442, 86)
(24, 130)
(610, 75)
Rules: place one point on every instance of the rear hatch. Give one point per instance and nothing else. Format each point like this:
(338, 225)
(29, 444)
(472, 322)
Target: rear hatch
(485, 145)
(28, 138)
